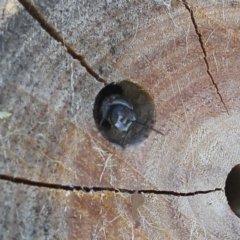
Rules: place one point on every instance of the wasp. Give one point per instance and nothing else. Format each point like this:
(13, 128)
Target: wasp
(120, 114)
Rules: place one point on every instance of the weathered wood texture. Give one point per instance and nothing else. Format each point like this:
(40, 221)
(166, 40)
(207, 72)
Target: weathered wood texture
(188, 59)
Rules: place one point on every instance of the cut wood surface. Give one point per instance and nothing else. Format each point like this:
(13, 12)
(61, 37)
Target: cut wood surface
(59, 178)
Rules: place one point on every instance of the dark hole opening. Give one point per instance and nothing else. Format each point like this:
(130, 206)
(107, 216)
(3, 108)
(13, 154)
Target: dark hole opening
(141, 103)
(232, 189)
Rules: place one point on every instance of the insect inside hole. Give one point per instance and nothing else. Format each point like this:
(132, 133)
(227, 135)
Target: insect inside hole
(117, 111)
(120, 114)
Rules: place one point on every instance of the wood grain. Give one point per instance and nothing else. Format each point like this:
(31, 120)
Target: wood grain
(185, 53)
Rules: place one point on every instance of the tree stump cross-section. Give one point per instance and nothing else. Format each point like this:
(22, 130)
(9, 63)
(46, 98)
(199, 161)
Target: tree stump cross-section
(59, 177)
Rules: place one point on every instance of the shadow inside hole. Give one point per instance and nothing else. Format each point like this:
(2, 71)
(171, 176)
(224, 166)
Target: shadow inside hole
(142, 104)
(232, 189)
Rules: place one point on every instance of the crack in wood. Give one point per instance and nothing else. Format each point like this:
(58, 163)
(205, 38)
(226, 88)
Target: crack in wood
(204, 52)
(17, 180)
(39, 17)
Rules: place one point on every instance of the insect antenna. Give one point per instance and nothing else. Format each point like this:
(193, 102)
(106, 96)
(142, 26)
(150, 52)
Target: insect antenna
(143, 125)
(150, 127)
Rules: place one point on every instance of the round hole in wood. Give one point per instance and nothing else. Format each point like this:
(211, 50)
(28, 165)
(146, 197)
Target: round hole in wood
(232, 189)
(132, 100)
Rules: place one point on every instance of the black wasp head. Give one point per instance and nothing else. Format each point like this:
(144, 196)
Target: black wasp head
(118, 112)
(121, 117)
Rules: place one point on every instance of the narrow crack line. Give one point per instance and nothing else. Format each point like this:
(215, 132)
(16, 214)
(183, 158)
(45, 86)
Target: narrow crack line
(39, 17)
(204, 52)
(27, 182)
